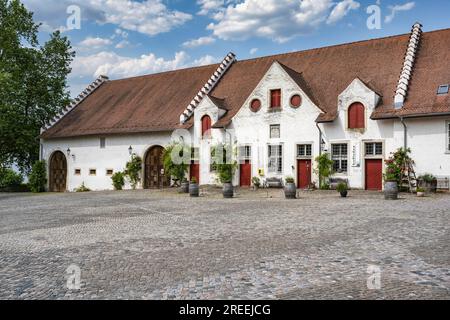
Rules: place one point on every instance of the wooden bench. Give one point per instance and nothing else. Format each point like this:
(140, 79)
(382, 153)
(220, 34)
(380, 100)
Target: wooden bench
(273, 183)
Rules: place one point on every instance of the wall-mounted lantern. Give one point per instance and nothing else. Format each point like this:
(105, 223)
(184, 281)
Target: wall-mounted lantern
(68, 152)
(130, 150)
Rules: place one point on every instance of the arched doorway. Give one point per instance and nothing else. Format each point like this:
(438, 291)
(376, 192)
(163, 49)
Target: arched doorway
(154, 177)
(58, 172)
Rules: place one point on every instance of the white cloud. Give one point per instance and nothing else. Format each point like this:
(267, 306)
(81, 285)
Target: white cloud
(117, 66)
(122, 44)
(199, 42)
(341, 10)
(95, 43)
(204, 61)
(253, 51)
(397, 8)
(207, 6)
(149, 17)
(279, 20)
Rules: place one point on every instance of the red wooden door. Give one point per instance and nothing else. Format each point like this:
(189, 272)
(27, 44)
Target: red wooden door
(374, 174)
(303, 173)
(195, 172)
(246, 174)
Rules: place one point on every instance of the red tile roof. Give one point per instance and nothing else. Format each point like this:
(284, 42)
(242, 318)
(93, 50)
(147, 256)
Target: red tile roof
(155, 102)
(136, 105)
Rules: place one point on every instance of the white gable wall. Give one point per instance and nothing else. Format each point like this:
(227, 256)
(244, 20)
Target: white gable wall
(297, 126)
(337, 132)
(85, 154)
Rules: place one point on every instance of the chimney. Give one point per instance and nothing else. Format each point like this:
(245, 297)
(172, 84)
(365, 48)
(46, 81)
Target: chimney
(408, 66)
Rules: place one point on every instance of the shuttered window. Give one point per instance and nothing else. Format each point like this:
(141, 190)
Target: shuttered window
(206, 126)
(275, 99)
(356, 118)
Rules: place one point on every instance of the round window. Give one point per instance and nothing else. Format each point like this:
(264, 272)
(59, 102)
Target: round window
(296, 101)
(255, 105)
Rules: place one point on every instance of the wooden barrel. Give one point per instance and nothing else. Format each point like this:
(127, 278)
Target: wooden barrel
(228, 190)
(290, 191)
(391, 190)
(194, 190)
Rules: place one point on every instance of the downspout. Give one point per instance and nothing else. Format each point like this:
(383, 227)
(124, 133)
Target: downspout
(320, 138)
(320, 150)
(405, 133)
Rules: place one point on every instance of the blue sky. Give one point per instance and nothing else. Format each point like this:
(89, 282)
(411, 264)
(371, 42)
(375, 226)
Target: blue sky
(124, 38)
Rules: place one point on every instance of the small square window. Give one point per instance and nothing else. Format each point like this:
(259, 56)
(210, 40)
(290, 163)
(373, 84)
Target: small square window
(78, 172)
(102, 143)
(443, 89)
(304, 150)
(92, 172)
(374, 149)
(245, 153)
(275, 132)
(109, 172)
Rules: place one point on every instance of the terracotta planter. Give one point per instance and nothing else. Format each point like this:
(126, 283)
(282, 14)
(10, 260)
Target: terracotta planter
(420, 194)
(391, 190)
(290, 191)
(228, 190)
(194, 190)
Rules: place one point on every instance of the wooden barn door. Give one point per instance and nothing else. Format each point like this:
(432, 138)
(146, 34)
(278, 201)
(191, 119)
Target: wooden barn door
(154, 169)
(374, 174)
(303, 174)
(246, 174)
(58, 172)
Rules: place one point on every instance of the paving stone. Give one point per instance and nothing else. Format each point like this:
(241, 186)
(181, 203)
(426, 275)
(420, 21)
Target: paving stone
(163, 245)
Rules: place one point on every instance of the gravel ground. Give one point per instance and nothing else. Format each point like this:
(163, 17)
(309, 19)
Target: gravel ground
(163, 245)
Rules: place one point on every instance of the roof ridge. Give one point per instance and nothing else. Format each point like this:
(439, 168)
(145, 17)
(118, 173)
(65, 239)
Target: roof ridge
(339, 45)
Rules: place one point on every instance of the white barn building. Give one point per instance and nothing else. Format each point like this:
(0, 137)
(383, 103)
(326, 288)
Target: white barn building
(358, 101)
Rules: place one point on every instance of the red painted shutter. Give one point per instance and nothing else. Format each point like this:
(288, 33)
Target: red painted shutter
(206, 125)
(275, 99)
(356, 119)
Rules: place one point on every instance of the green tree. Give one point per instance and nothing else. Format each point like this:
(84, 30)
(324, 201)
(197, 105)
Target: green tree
(33, 82)
(324, 169)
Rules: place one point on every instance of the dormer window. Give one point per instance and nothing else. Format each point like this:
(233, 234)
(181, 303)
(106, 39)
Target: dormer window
(356, 116)
(275, 99)
(443, 89)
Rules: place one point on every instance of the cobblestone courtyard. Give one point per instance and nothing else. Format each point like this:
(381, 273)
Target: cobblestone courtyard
(161, 245)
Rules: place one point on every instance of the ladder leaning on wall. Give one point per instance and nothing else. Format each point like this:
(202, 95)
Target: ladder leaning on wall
(409, 178)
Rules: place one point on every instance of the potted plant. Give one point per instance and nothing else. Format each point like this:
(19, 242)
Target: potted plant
(176, 158)
(428, 182)
(290, 189)
(194, 190)
(324, 169)
(420, 192)
(225, 167)
(256, 183)
(391, 180)
(342, 188)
